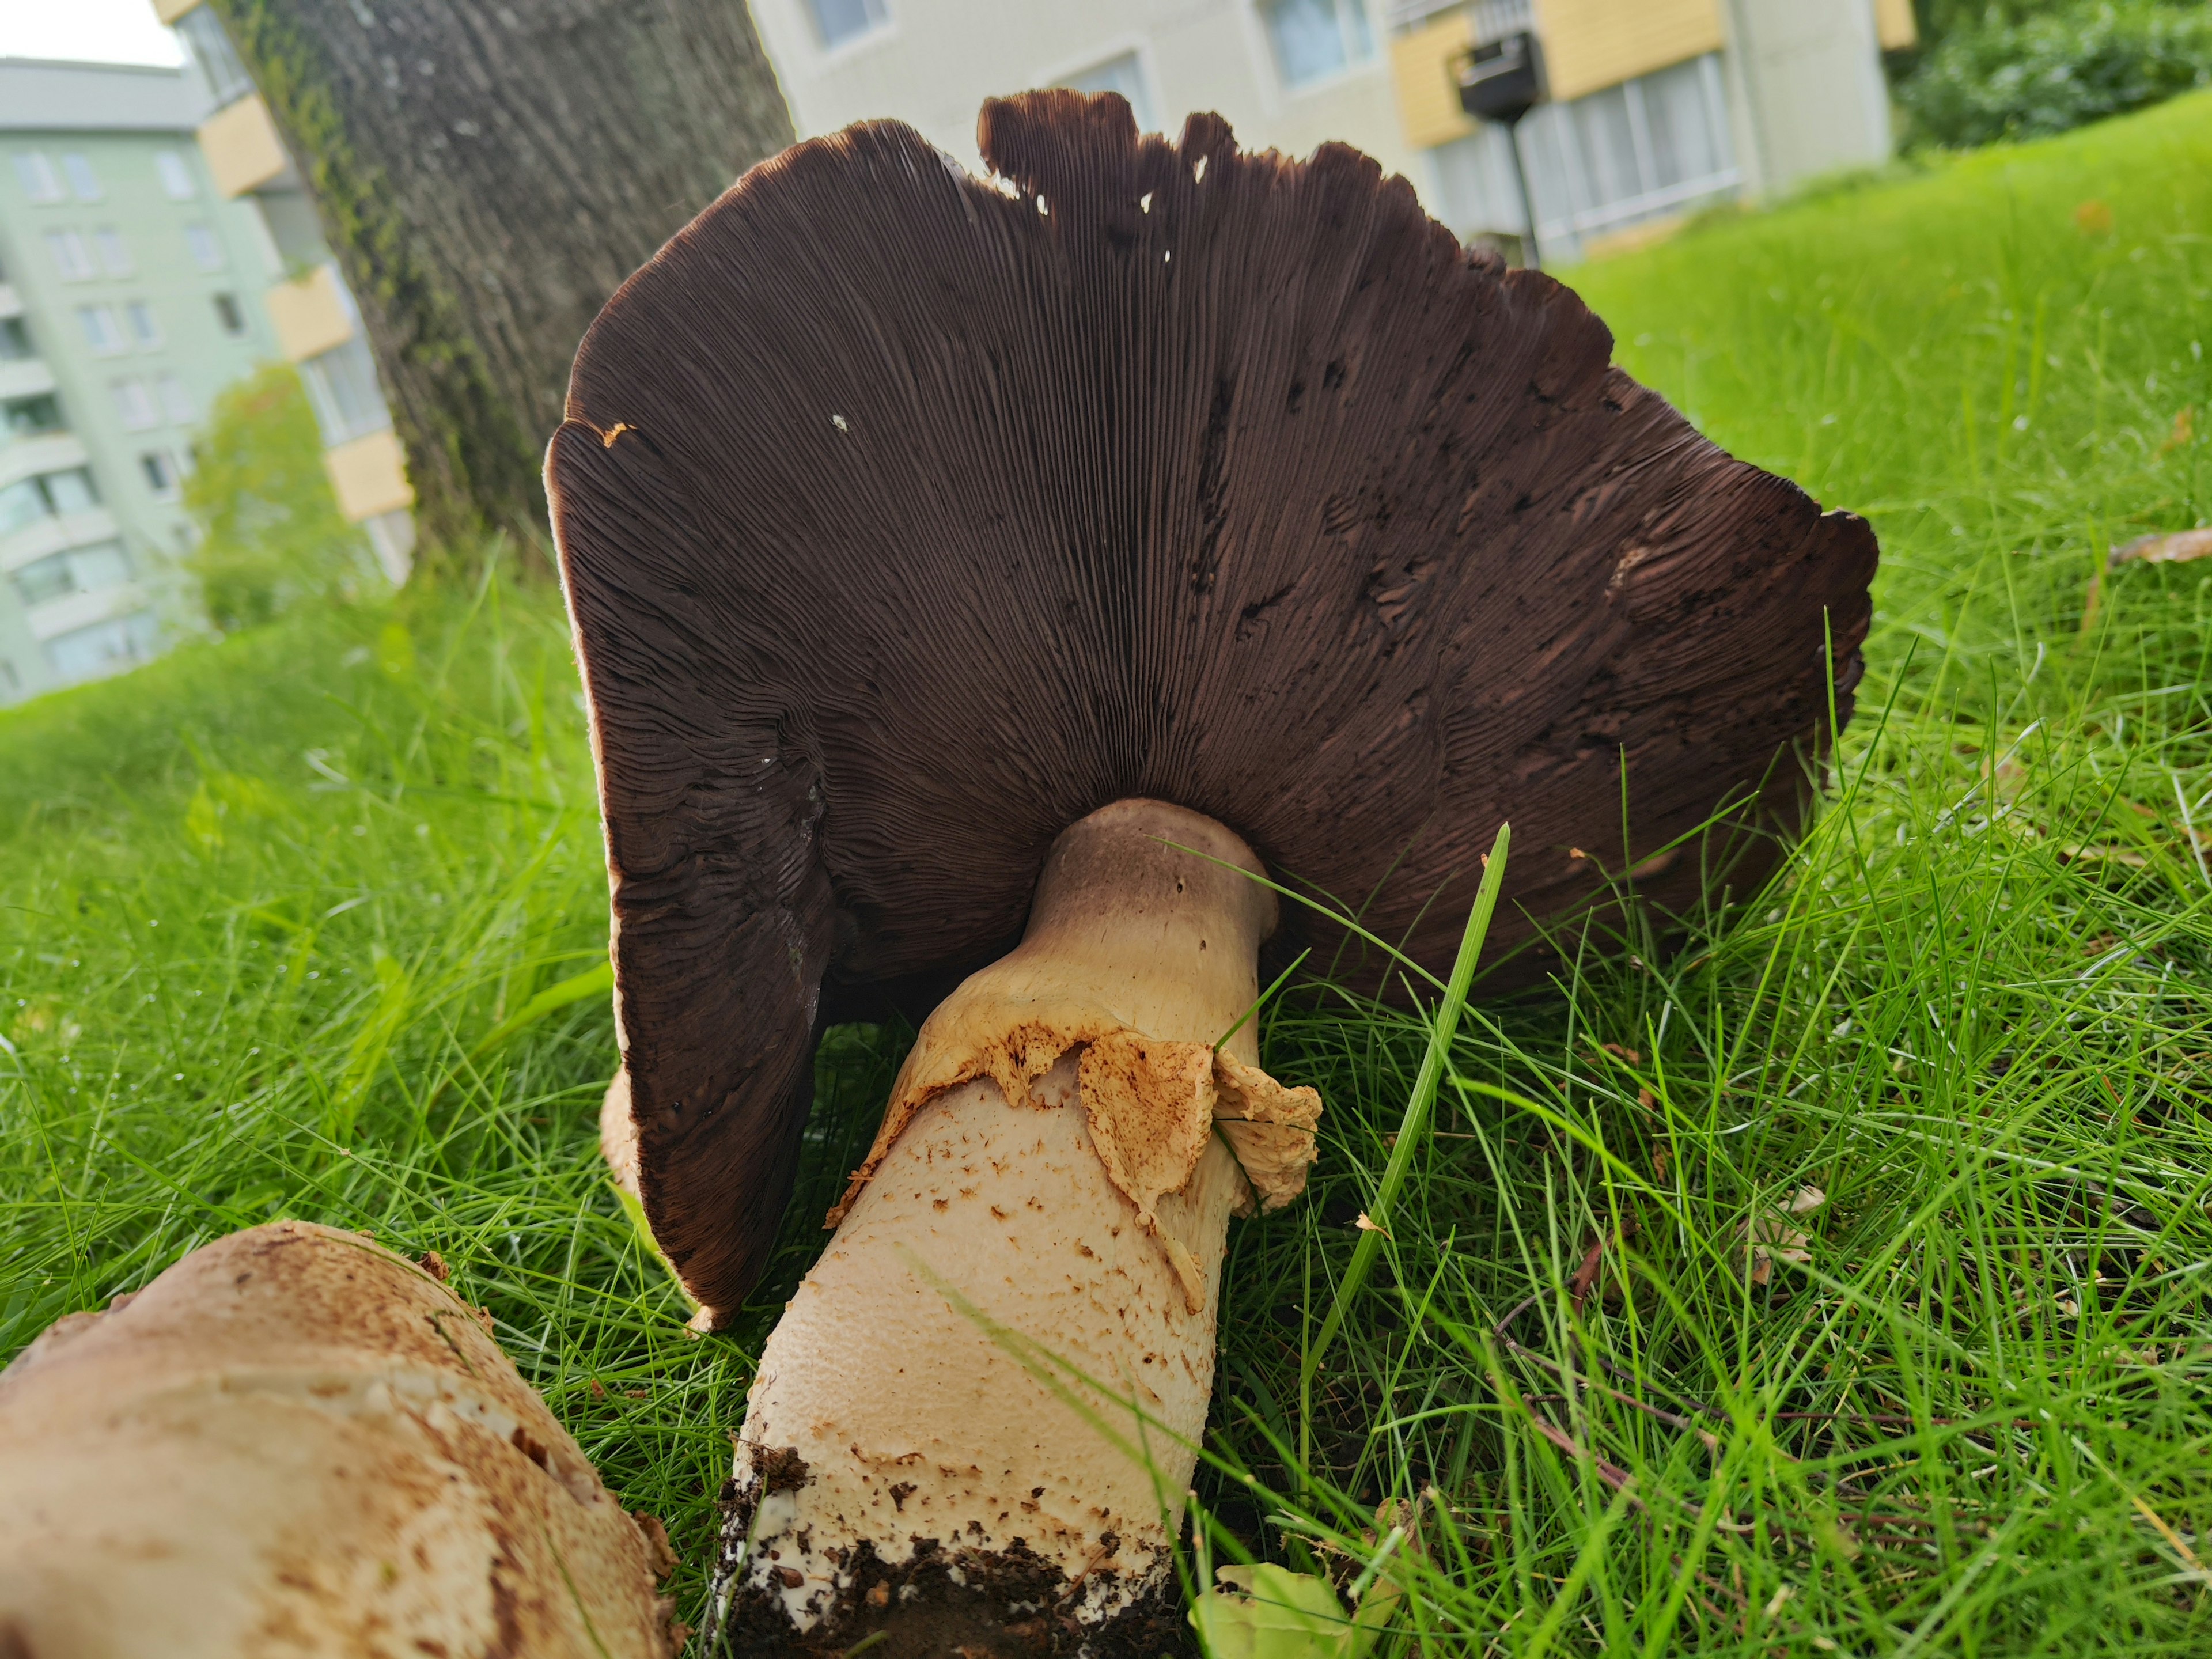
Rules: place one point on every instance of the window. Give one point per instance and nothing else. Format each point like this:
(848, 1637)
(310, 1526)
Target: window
(211, 50)
(176, 401)
(71, 256)
(83, 181)
(101, 331)
(839, 21)
(144, 329)
(50, 495)
(201, 243)
(27, 417)
(80, 570)
(175, 176)
(35, 172)
(105, 646)
(114, 252)
(1124, 74)
(1630, 152)
(341, 384)
(21, 504)
(46, 578)
(14, 340)
(135, 406)
(225, 306)
(159, 469)
(70, 491)
(1314, 39)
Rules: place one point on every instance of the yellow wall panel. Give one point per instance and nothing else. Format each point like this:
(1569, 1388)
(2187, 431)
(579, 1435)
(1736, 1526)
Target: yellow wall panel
(241, 146)
(370, 475)
(1593, 43)
(309, 314)
(1428, 88)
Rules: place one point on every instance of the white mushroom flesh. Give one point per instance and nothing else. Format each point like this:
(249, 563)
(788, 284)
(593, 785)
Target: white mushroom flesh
(1009, 1344)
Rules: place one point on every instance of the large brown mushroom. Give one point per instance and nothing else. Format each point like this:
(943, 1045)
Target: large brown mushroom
(294, 1442)
(945, 552)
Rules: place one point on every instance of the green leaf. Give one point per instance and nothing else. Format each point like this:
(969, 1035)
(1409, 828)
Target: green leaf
(1410, 1127)
(1271, 1613)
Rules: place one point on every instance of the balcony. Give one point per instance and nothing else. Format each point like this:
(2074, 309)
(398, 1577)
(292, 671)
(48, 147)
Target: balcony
(37, 539)
(25, 379)
(311, 315)
(243, 149)
(53, 452)
(370, 475)
(65, 615)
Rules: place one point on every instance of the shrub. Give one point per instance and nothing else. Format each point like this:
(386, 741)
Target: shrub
(2003, 79)
(272, 534)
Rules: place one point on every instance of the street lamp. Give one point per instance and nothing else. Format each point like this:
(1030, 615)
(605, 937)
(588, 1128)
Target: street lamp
(1502, 81)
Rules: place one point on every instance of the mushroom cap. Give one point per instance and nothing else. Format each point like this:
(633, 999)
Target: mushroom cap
(907, 517)
(295, 1442)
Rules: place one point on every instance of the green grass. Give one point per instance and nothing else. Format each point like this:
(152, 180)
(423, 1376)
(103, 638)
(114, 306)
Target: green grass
(267, 901)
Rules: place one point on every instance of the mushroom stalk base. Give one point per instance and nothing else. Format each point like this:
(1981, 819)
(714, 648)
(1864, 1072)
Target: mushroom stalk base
(976, 1423)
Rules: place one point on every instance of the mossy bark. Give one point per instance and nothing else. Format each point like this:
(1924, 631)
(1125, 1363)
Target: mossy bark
(487, 175)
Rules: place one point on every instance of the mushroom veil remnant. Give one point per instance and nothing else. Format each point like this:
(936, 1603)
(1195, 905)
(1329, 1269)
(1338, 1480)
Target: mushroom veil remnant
(979, 585)
(294, 1442)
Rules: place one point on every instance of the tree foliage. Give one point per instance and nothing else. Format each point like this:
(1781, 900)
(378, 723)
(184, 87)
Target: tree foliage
(1938, 20)
(2032, 71)
(272, 533)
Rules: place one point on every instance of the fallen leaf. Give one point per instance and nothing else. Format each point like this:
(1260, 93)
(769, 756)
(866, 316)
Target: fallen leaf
(2092, 218)
(1620, 1053)
(2178, 548)
(1367, 1226)
(1772, 1238)
(2184, 430)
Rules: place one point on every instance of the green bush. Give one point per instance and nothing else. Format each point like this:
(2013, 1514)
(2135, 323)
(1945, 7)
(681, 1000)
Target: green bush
(2008, 79)
(272, 534)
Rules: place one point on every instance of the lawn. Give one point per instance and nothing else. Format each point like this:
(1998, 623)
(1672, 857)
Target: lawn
(313, 922)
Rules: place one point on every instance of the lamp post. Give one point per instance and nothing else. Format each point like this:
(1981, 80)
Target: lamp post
(1502, 81)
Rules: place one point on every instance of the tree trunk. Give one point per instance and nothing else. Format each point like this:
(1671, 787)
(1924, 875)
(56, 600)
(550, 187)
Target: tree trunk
(487, 174)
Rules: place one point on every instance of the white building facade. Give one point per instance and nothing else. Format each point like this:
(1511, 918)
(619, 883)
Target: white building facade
(1287, 75)
(1655, 107)
(130, 297)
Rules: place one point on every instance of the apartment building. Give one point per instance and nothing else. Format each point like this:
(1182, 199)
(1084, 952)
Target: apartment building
(318, 327)
(1287, 74)
(129, 297)
(1654, 107)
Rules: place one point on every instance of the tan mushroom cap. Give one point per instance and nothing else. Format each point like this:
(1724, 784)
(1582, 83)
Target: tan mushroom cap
(295, 1442)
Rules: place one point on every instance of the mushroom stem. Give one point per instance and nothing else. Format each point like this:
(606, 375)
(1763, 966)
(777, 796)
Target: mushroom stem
(1062, 1151)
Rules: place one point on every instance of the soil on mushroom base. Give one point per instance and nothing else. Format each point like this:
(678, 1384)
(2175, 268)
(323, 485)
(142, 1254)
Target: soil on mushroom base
(1005, 1604)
